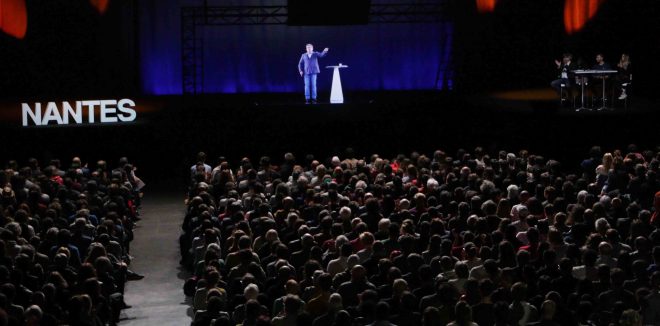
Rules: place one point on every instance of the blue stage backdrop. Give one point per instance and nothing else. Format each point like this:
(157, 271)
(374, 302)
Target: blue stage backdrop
(247, 59)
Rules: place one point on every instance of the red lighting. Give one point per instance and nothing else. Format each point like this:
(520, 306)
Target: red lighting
(13, 18)
(100, 5)
(484, 6)
(578, 12)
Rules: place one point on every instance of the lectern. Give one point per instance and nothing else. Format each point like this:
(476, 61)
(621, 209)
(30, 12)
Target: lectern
(336, 94)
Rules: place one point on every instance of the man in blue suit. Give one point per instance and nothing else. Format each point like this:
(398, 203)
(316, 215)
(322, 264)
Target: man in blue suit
(308, 66)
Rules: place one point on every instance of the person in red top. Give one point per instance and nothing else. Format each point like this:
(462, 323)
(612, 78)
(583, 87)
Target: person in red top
(656, 206)
(532, 245)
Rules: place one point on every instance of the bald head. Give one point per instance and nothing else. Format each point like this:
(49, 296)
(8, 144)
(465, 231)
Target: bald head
(358, 273)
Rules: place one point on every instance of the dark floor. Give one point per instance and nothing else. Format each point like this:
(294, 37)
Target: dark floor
(158, 299)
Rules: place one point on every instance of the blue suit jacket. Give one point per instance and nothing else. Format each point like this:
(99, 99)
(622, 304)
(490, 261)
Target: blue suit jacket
(310, 65)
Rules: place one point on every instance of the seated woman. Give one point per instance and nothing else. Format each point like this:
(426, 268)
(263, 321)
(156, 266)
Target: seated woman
(624, 76)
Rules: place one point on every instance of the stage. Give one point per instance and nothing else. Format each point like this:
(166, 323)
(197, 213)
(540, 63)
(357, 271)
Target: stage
(227, 84)
(388, 123)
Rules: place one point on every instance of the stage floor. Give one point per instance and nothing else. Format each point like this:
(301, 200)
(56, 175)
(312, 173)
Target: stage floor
(547, 100)
(386, 123)
(532, 100)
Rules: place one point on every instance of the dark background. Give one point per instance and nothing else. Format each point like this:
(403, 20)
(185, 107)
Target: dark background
(134, 48)
(516, 45)
(71, 52)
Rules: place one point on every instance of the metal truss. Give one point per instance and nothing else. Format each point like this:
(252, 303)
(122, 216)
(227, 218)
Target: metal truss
(192, 55)
(406, 12)
(193, 18)
(246, 15)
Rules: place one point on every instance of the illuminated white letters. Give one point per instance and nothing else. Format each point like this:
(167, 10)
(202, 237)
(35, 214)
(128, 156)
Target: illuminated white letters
(98, 111)
(52, 114)
(34, 115)
(91, 105)
(126, 106)
(68, 111)
(108, 111)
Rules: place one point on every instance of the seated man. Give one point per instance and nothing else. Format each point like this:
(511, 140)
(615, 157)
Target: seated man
(598, 80)
(564, 69)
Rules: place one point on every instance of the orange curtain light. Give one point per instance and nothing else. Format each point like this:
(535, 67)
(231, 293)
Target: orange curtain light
(100, 5)
(578, 12)
(13, 18)
(484, 6)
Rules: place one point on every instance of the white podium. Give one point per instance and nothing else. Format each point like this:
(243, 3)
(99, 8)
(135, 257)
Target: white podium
(336, 94)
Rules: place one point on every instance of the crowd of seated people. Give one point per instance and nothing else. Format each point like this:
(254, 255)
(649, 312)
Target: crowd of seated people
(466, 239)
(65, 233)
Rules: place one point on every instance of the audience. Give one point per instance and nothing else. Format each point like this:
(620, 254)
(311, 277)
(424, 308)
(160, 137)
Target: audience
(65, 235)
(471, 239)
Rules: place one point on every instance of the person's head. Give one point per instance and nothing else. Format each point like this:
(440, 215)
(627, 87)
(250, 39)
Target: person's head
(291, 304)
(630, 317)
(214, 304)
(431, 316)
(548, 309)
(252, 309)
(655, 280)
(324, 282)
(602, 225)
(309, 47)
(486, 288)
(367, 239)
(463, 313)
(604, 249)
(335, 302)
(461, 269)
(201, 157)
(343, 318)
(358, 273)
(470, 250)
(352, 260)
(291, 287)
(33, 315)
(251, 292)
(382, 311)
(519, 292)
(600, 58)
(567, 57)
(399, 286)
(271, 235)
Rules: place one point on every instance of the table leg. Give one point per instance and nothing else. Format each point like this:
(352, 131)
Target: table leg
(582, 107)
(603, 107)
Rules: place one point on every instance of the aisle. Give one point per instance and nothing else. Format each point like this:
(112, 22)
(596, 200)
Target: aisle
(157, 299)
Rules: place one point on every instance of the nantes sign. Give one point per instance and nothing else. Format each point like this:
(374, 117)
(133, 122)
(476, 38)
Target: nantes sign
(78, 112)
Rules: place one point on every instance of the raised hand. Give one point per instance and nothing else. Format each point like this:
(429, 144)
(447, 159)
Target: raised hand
(325, 50)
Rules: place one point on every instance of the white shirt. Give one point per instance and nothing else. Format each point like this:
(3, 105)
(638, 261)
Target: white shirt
(515, 211)
(309, 55)
(207, 169)
(479, 273)
(338, 265)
